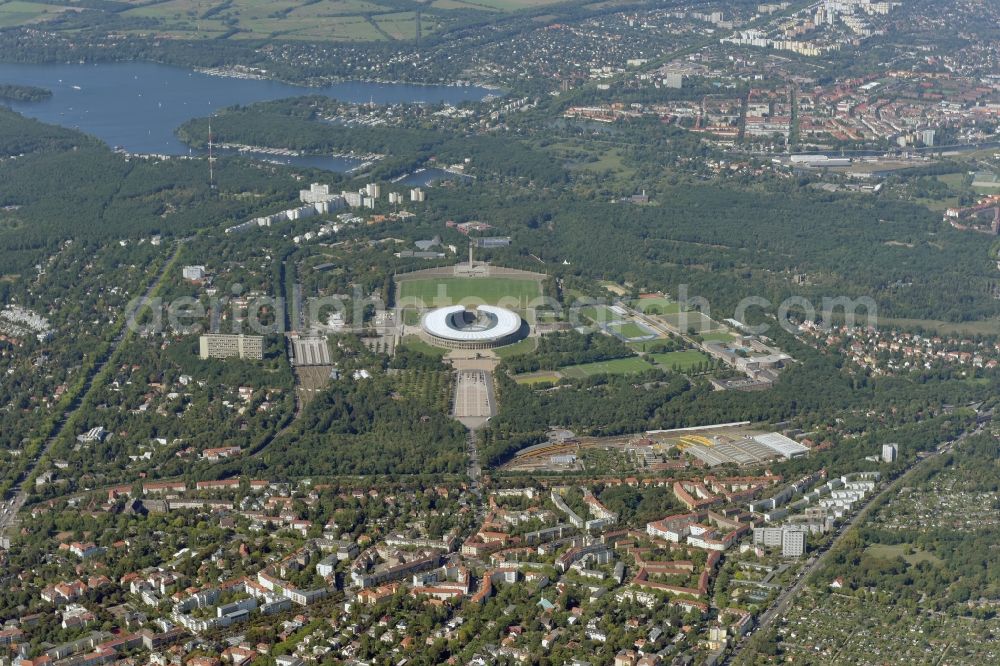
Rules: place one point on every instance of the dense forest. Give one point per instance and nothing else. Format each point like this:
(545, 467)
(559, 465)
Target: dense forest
(366, 427)
(293, 124)
(726, 241)
(13, 92)
(58, 184)
(873, 411)
(561, 349)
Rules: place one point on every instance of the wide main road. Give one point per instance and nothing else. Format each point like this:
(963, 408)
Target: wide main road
(784, 600)
(10, 509)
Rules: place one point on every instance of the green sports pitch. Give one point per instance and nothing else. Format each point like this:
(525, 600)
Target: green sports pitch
(684, 360)
(619, 366)
(512, 293)
(631, 330)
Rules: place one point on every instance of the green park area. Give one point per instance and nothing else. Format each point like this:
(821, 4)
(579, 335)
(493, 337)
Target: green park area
(416, 344)
(619, 366)
(908, 552)
(599, 314)
(21, 13)
(681, 360)
(656, 306)
(716, 336)
(692, 320)
(330, 20)
(520, 347)
(532, 378)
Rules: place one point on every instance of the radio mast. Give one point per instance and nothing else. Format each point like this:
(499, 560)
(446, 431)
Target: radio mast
(211, 159)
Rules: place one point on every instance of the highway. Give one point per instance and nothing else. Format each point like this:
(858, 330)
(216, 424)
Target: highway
(784, 600)
(11, 507)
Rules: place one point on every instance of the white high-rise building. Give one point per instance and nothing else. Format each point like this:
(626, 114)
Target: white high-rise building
(791, 538)
(889, 453)
(793, 543)
(374, 190)
(316, 194)
(417, 195)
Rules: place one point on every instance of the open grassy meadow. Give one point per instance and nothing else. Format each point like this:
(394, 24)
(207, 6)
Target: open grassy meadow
(686, 321)
(684, 360)
(328, 20)
(24, 13)
(543, 377)
(619, 366)
(415, 343)
(656, 306)
(913, 556)
(717, 336)
(320, 20)
(520, 347)
(599, 314)
(630, 330)
(513, 293)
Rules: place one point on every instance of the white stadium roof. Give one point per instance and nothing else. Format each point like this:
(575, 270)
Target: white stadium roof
(436, 322)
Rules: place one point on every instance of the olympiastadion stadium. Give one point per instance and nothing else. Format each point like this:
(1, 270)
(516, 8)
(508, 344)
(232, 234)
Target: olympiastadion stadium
(484, 327)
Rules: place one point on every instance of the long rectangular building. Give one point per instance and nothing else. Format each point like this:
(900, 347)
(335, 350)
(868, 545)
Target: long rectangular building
(218, 345)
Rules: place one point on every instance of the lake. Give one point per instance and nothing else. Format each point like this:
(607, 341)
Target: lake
(137, 106)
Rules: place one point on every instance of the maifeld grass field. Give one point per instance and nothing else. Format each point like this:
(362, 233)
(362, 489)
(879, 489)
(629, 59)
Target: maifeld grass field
(512, 293)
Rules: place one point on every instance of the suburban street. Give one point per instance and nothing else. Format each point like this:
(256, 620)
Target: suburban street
(8, 515)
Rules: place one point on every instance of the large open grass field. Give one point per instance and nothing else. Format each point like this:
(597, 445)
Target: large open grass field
(892, 551)
(328, 20)
(978, 327)
(686, 321)
(656, 306)
(322, 20)
(543, 377)
(583, 156)
(21, 13)
(619, 366)
(525, 346)
(599, 314)
(417, 344)
(684, 360)
(717, 336)
(631, 330)
(512, 293)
